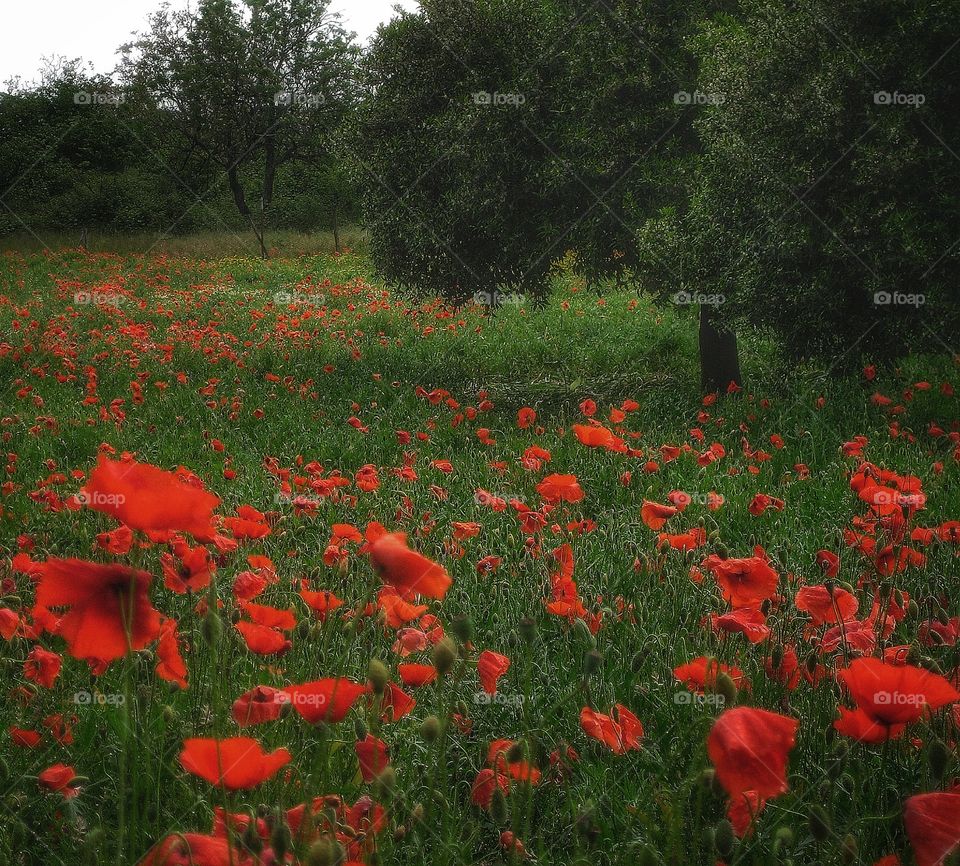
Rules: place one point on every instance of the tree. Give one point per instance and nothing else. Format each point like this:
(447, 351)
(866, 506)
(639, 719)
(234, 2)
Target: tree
(450, 148)
(825, 206)
(248, 86)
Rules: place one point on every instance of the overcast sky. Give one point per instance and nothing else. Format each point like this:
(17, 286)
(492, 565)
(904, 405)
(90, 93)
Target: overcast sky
(94, 29)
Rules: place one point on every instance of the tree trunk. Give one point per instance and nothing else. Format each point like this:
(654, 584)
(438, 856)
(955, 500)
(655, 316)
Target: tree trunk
(719, 358)
(336, 228)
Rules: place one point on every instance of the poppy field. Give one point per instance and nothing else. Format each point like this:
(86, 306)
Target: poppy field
(295, 569)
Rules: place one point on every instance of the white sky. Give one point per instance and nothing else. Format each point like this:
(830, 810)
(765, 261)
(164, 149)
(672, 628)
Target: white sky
(94, 29)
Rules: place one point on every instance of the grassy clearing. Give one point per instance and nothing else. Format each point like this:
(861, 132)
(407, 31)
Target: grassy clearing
(273, 359)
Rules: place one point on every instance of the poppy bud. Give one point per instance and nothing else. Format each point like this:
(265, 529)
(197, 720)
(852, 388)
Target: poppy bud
(212, 627)
(637, 662)
(378, 675)
(280, 841)
(462, 628)
(582, 632)
(251, 838)
(591, 663)
(445, 656)
(462, 708)
(527, 628)
(515, 753)
(499, 810)
(776, 657)
(430, 729)
(782, 840)
(939, 758)
(931, 665)
(849, 850)
(169, 714)
(913, 608)
(765, 606)
(724, 838)
(708, 779)
(417, 813)
(325, 852)
(400, 833)
(384, 785)
(726, 688)
(359, 729)
(811, 662)
(722, 551)
(819, 824)
(303, 629)
(235, 616)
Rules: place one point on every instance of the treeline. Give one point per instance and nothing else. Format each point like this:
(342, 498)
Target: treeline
(231, 116)
(790, 164)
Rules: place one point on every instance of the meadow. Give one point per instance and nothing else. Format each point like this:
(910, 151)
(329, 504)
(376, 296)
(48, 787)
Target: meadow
(628, 623)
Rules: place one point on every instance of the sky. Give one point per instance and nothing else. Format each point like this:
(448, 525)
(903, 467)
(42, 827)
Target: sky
(94, 29)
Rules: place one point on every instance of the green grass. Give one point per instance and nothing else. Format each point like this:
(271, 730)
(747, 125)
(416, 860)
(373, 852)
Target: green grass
(184, 320)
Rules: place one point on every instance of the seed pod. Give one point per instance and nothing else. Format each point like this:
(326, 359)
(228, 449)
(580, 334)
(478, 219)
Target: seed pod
(782, 840)
(325, 852)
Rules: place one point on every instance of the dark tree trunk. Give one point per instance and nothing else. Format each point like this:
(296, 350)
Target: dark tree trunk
(719, 358)
(336, 227)
(240, 199)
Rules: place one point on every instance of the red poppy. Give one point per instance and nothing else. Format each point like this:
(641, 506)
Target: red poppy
(933, 825)
(58, 778)
(744, 582)
(109, 608)
(42, 667)
(194, 849)
(487, 781)
(258, 705)
(490, 667)
(236, 763)
(560, 488)
(261, 639)
(170, 664)
(824, 606)
(372, 756)
(620, 731)
(888, 697)
(701, 674)
(149, 498)
(408, 571)
(325, 700)
(417, 675)
(749, 749)
(656, 515)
